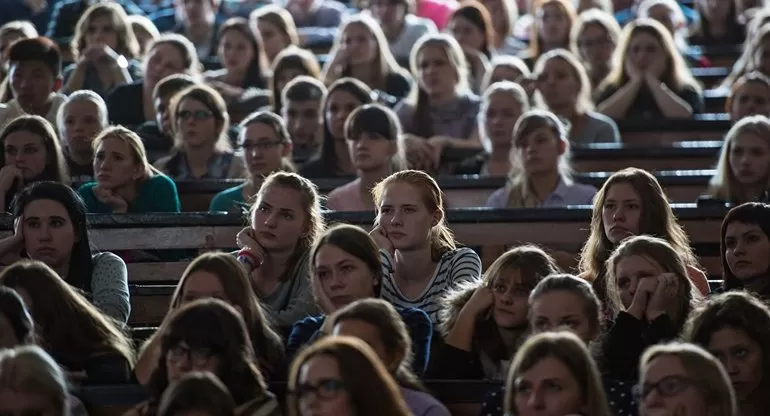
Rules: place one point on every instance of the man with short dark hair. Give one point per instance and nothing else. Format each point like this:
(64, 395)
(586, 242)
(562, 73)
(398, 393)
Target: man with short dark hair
(303, 99)
(35, 78)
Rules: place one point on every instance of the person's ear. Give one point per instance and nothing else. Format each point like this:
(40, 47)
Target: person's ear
(437, 217)
(58, 84)
(562, 146)
(287, 149)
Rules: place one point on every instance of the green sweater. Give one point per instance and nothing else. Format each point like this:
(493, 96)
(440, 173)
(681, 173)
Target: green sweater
(157, 194)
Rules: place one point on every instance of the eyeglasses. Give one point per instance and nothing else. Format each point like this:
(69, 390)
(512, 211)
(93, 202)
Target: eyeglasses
(198, 356)
(325, 389)
(261, 145)
(667, 387)
(198, 115)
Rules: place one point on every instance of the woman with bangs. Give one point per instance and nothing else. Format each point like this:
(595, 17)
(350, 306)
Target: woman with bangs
(647, 284)
(276, 29)
(749, 96)
(441, 110)
(375, 146)
(284, 221)
(686, 380)
(345, 267)
(650, 78)
(105, 50)
(91, 347)
(209, 335)
(485, 321)
(501, 107)
(266, 149)
(287, 65)
(594, 38)
(420, 256)
(563, 88)
(471, 25)
(220, 276)
(632, 202)
(361, 51)
(130, 105)
(30, 152)
(333, 159)
(744, 244)
(202, 149)
(241, 81)
(125, 180)
(735, 328)
(743, 170)
(551, 27)
(540, 175)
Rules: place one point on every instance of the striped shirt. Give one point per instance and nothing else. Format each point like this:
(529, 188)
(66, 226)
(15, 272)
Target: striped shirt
(454, 267)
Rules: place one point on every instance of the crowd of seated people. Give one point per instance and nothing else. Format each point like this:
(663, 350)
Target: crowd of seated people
(296, 119)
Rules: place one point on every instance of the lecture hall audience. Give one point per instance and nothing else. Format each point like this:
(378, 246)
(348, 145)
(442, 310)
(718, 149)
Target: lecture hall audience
(534, 207)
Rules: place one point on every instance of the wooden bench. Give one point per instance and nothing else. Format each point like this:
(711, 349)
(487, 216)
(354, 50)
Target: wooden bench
(562, 230)
(660, 132)
(116, 399)
(473, 191)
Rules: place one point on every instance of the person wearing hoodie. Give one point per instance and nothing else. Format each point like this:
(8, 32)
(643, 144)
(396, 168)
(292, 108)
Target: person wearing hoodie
(483, 322)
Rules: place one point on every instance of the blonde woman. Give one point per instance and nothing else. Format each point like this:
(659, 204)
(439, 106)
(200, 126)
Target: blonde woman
(441, 110)
(563, 87)
(125, 180)
(105, 50)
(683, 379)
(650, 85)
(743, 170)
(361, 51)
(540, 175)
(501, 107)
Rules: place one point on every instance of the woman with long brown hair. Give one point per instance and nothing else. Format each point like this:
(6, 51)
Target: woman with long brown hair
(632, 202)
(209, 335)
(342, 376)
(84, 341)
(219, 275)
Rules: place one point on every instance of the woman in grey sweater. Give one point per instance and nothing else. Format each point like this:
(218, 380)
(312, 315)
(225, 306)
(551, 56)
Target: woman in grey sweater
(50, 226)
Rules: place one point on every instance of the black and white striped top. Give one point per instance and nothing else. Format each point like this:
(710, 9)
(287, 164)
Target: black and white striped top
(456, 266)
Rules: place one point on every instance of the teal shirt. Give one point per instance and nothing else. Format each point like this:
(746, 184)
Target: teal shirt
(157, 194)
(230, 200)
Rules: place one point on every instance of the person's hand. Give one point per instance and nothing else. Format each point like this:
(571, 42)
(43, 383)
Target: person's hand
(634, 74)
(380, 237)
(247, 240)
(100, 54)
(480, 302)
(110, 198)
(644, 291)
(9, 175)
(436, 146)
(418, 153)
(321, 298)
(664, 296)
(18, 233)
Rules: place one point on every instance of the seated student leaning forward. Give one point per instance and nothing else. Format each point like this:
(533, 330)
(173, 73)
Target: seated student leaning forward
(125, 181)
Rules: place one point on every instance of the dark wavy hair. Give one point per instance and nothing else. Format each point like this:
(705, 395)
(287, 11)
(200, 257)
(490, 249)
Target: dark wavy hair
(211, 323)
